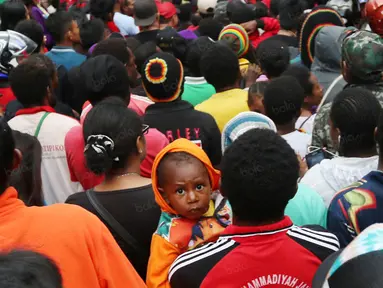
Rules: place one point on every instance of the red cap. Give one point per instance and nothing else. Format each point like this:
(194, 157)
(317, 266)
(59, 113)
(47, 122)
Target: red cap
(167, 9)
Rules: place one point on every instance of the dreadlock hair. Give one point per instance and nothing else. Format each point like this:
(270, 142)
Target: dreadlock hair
(355, 112)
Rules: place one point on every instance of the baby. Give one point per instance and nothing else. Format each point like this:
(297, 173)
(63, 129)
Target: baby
(183, 181)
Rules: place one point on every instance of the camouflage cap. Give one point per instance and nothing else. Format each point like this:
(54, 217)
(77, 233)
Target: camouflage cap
(363, 53)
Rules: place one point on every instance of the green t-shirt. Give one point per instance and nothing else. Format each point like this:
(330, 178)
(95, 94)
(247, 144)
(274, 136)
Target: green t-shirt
(197, 90)
(307, 207)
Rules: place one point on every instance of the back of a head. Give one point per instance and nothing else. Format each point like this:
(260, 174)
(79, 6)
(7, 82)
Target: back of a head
(115, 47)
(58, 24)
(11, 12)
(143, 52)
(162, 77)
(302, 75)
(210, 27)
(240, 12)
(114, 129)
(194, 54)
(27, 177)
(91, 32)
(7, 146)
(355, 112)
(273, 56)
(101, 8)
(30, 81)
(259, 176)
(28, 269)
(283, 99)
(33, 30)
(132, 43)
(103, 76)
(220, 67)
(290, 11)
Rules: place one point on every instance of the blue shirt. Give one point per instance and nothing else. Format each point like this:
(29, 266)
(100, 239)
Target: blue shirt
(65, 56)
(356, 207)
(125, 24)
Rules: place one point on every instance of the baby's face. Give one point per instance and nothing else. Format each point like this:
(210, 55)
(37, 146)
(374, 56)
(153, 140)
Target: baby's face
(187, 187)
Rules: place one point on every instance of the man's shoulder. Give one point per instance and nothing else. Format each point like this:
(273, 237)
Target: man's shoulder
(315, 239)
(193, 266)
(69, 214)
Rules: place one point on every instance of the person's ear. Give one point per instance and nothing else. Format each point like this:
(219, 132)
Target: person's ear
(141, 147)
(69, 35)
(305, 100)
(17, 158)
(376, 134)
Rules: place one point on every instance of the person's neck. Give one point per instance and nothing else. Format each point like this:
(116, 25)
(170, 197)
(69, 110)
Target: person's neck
(125, 178)
(360, 154)
(65, 43)
(236, 86)
(287, 33)
(306, 111)
(151, 28)
(286, 128)
(244, 223)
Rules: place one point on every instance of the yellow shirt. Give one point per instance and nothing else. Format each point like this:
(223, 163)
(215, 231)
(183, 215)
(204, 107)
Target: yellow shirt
(225, 105)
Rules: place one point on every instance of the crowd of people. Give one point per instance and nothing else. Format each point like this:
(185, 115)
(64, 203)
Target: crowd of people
(193, 143)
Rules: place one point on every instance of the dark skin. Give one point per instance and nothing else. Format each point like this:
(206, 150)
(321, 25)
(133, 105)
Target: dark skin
(186, 187)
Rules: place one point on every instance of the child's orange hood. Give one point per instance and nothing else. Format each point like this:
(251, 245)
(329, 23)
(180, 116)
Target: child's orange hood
(182, 145)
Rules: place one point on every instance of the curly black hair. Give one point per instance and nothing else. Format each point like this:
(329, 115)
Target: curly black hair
(273, 56)
(283, 99)
(259, 176)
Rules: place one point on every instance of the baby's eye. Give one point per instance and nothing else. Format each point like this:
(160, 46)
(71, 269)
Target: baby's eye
(180, 192)
(199, 187)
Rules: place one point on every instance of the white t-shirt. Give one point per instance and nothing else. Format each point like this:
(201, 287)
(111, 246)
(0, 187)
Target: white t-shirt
(299, 141)
(57, 185)
(126, 24)
(308, 125)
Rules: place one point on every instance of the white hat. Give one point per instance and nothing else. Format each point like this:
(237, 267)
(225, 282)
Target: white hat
(206, 6)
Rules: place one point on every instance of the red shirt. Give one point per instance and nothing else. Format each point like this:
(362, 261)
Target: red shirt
(6, 96)
(276, 255)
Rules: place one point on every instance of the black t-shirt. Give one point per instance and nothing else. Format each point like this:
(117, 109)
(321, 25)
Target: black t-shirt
(146, 36)
(136, 210)
(178, 119)
(288, 40)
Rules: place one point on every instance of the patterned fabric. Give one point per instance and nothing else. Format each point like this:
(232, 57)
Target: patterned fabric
(162, 77)
(321, 131)
(236, 36)
(356, 207)
(186, 234)
(363, 53)
(367, 242)
(242, 123)
(317, 19)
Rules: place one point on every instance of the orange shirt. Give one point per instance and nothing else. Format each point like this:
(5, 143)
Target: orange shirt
(75, 239)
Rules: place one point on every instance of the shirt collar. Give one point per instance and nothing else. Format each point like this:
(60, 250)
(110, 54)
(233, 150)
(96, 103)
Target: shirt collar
(249, 231)
(159, 108)
(195, 80)
(34, 110)
(62, 49)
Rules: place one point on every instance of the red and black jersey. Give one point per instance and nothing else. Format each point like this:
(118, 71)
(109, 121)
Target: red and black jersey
(277, 255)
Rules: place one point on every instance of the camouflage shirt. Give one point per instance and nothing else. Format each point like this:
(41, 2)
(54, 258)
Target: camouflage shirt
(321, 131)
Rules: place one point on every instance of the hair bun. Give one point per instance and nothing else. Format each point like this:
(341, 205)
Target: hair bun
(98, 153)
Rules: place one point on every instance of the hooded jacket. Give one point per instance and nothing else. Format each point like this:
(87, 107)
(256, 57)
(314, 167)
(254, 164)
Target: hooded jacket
(176, 234)
(330, 176)
(326, 65)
